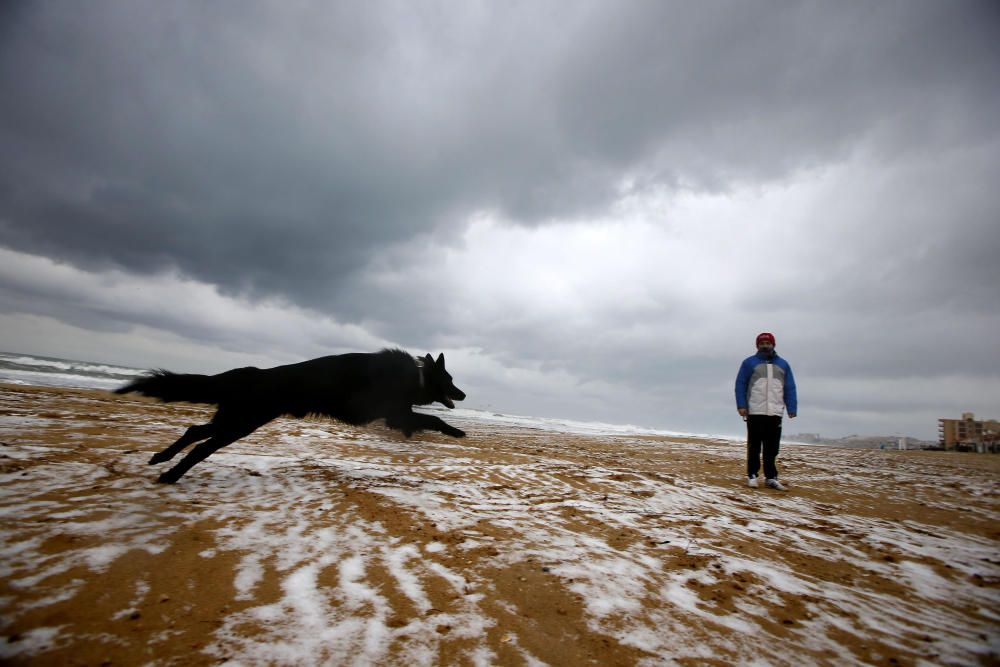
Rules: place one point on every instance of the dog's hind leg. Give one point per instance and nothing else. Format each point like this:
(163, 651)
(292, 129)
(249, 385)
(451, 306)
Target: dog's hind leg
(192, 435)
(224, 435)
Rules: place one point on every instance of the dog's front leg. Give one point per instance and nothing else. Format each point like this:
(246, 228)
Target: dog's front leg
(433, 423)
(409, 421)
(402, 421)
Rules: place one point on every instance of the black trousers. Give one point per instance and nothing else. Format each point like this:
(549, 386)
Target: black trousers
(764, 432)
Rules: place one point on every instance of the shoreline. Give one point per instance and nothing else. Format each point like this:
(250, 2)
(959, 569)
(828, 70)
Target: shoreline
(548, 424)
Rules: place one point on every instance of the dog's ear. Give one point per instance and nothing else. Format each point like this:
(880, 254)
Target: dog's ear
(428, 358)
(440, 360)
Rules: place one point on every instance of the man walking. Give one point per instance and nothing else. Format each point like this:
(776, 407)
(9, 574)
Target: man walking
(765, 388)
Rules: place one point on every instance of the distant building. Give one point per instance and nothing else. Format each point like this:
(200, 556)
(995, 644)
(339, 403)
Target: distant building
(969, 435)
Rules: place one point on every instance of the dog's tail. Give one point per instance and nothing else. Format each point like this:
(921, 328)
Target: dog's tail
(170, 387)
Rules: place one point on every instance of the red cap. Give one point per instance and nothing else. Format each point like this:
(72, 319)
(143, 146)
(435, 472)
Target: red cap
(765, 338)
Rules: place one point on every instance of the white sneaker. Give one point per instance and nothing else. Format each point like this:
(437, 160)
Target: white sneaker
(752, 483)
(775, 484)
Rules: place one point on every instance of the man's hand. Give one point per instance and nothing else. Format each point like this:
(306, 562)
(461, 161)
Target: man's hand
(742, 411)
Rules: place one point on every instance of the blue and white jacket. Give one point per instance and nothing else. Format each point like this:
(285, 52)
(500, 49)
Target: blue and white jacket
(766, 386)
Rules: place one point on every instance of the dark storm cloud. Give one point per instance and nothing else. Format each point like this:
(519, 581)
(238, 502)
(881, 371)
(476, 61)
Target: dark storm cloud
(149, 135)
(274, 151)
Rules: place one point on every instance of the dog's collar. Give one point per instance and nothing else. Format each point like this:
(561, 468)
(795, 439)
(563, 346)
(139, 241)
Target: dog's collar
(420, 370)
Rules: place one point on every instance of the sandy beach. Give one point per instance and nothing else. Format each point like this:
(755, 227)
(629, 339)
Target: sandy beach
(315, 543)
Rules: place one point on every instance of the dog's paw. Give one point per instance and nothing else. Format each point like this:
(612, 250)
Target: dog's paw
(158, 458)
(166, 478)
(455, 433)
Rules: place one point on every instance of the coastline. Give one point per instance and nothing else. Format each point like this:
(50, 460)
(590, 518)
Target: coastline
(313, 541)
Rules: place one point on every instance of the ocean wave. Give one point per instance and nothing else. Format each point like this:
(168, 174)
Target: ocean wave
(49, 372)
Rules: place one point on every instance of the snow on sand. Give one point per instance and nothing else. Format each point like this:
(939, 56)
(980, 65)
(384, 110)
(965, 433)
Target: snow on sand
(312, 542)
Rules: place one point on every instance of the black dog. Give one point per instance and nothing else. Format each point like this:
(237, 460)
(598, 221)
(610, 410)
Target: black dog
(354, 388)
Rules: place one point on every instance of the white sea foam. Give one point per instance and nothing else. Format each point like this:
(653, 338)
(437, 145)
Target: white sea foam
(46, 372)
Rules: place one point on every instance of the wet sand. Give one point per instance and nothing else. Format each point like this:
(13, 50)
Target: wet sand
(313, 542)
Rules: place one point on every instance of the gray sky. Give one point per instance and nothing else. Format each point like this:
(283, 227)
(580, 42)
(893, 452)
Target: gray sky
(591, 208)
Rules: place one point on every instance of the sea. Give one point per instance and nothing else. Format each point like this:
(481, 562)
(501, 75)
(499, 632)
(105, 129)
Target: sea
(51, 372)
(27, 369)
